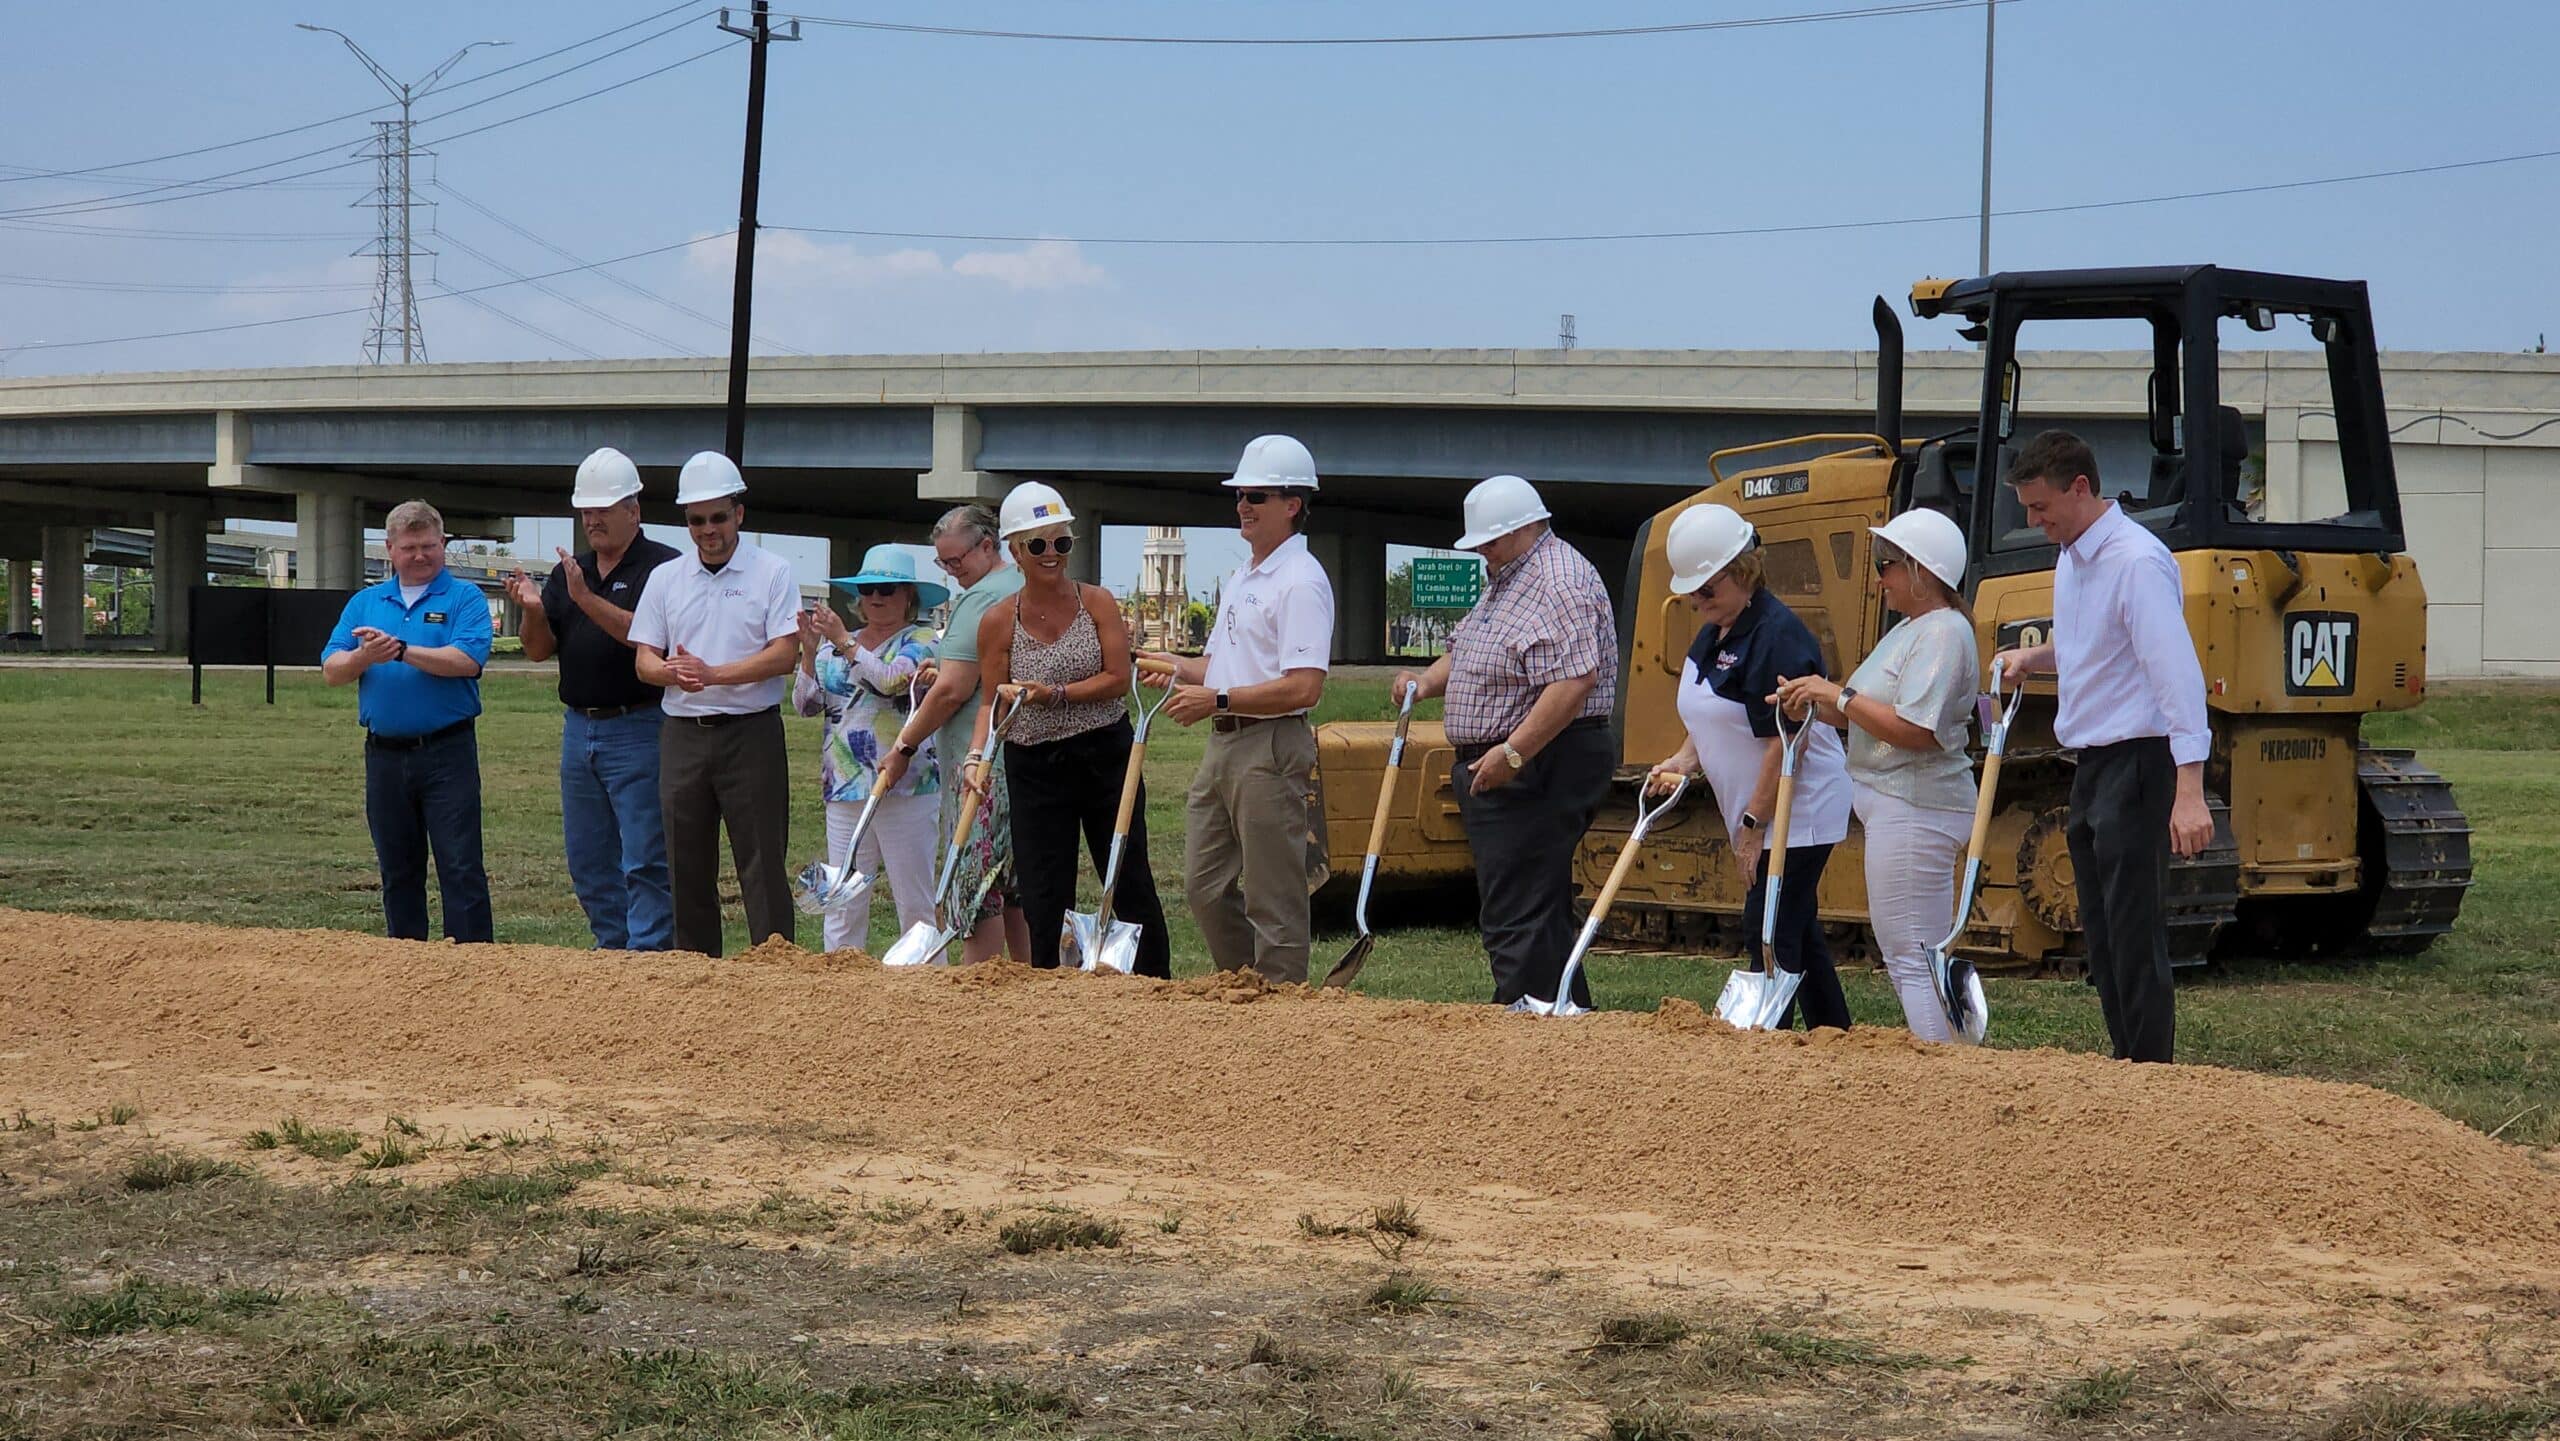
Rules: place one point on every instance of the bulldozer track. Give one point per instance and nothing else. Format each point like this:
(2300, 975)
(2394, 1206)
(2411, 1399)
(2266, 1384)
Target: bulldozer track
(2203, 895)
(2416, 847)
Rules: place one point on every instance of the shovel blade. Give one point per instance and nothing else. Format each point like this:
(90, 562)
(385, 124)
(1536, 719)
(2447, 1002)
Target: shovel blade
(1118, 951)
(811, 888)
(1349, 966)
(1078, 940)
(1960, 990)
(1755, 1000)
(922, 945)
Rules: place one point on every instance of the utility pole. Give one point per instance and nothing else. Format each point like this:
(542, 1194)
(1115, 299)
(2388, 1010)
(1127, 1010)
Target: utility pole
(760, 35)
(395, 291)
(1990, 24)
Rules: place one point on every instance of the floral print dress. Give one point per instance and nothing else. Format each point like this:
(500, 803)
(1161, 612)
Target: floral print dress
(865, 700)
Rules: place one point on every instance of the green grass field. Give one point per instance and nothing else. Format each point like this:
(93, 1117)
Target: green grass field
(121, 800)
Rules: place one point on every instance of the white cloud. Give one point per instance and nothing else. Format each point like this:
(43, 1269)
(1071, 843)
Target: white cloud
(1043, 265)
(791, 258)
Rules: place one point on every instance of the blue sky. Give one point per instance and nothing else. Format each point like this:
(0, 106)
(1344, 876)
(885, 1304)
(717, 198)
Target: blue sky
(1808, 124)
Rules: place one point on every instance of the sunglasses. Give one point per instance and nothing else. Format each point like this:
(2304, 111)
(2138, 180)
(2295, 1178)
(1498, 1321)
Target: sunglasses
(870, 591)
(1887, 562)
(1262, 497)
(1042, 545)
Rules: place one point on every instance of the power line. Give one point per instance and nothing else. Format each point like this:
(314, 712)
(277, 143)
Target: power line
(518, 321)
(1613, 237)
(359, 309)
(632, 286)
(494, 263)
(103, 171)
(1756, 22)
(170, 287)
(200, 189)
(113, 232)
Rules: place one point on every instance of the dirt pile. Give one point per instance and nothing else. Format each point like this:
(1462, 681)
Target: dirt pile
(1857, 1139)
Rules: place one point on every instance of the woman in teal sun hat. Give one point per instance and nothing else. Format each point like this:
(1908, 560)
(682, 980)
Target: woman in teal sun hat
(859, 680)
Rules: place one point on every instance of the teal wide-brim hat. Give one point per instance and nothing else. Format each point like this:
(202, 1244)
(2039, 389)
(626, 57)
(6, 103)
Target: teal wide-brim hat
(888, 565)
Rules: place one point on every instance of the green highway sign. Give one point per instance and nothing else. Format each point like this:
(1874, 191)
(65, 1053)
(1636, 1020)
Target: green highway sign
(1447, 582)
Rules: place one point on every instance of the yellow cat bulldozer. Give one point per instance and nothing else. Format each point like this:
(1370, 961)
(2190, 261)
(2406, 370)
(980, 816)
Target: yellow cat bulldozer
(2304, 610)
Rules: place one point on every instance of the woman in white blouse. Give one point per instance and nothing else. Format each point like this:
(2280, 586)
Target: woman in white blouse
(1911, 779)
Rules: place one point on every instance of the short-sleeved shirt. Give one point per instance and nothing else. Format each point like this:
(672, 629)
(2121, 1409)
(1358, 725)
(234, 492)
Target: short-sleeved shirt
(1274, 616)
(1928, 669)
(722, 616)
(598, 672)
(1543, 618)
(1725, 687)
(396, 699)
(960, 643)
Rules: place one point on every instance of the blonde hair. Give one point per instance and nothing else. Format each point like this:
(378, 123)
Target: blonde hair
(411, 515)
(1745, 569)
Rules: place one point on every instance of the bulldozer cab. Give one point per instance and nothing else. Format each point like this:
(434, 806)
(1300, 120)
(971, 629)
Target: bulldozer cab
(2172, 453)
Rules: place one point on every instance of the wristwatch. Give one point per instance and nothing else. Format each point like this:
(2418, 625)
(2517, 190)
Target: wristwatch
(1848, 693)
(1512, 754)
(1222, 701)
(907, 749)
(1750, 822)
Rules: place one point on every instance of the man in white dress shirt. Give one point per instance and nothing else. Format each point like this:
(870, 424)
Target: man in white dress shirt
(1252, 813)
(2132, 706)
(719, 629)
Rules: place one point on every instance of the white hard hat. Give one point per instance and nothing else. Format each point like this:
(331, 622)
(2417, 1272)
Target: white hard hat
(1936, 542)
(605, 478)
(1275, 462)
(1032, 506)
(1704, 540)
(1499, 506)
(708, 476)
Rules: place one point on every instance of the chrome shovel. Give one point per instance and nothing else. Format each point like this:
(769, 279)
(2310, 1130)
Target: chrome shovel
(1959, 986)
(1563, 1004)
(1358, 956)
(1758, 1000)
(1095, 941)
(925, 941)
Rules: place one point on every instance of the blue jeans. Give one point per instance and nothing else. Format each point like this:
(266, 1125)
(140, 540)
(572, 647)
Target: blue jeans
(610, 819)
(428, 798)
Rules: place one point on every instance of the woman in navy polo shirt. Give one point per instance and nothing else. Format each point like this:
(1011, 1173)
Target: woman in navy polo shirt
(1748, 641)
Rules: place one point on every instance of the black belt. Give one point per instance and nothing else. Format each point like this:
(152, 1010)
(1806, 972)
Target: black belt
(1227, 725)
(410, 743)
(723, 718)
(609, 712)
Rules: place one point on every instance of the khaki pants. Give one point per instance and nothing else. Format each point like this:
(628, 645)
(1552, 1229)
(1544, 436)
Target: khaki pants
(1256, 847)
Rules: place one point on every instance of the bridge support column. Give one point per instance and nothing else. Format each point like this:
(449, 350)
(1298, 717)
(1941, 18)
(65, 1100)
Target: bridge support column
(1357, 565)
(330, 544)
(22, 587)
(66, 587)
(177, 566)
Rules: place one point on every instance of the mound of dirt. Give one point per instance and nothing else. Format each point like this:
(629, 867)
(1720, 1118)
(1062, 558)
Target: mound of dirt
(1838, 1139)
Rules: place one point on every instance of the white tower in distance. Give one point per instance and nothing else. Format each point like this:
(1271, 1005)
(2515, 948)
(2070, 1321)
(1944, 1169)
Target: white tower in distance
(1162, 588)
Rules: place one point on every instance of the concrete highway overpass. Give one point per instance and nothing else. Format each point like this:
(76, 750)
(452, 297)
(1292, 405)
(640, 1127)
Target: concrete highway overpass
(858, 449)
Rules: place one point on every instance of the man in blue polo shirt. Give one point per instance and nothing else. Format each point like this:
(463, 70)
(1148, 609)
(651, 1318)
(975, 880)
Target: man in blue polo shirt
(414, 646)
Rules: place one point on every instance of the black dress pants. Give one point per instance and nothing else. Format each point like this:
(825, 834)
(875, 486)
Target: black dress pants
(2119, 838)
(1057, 788)
(729, 773)
(1523, 834)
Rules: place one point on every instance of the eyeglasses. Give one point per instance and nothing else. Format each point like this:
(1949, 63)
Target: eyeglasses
(1254, 497)
(871, 591)
(1887, 562)
(1042, 545)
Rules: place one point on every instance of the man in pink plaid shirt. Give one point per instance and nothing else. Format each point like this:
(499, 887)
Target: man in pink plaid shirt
(1530, 676)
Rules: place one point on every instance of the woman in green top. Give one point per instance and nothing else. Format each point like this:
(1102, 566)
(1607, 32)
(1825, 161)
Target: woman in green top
(964, 545)
(1910, 776)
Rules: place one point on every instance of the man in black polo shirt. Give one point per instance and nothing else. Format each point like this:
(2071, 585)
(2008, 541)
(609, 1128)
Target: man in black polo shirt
(609, 811)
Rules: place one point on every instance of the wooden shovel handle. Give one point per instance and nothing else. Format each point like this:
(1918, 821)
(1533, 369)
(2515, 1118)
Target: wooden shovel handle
(1386, 800)
(1982, 805)
(1150, 666)
(1781, 820)
(969, 799)
(1617, 876)
(1129, 787)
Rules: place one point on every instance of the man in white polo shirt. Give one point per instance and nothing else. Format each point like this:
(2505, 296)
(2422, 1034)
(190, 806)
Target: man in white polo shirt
(1253, 810)
(720, 628)
(2131, 703)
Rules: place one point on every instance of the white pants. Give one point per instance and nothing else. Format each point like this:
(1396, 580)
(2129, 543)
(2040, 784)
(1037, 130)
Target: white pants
(900, 842)
(1911, 897)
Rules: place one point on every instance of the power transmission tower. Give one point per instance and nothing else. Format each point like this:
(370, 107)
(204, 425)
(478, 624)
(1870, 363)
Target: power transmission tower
(1564, 332)
(395, 290)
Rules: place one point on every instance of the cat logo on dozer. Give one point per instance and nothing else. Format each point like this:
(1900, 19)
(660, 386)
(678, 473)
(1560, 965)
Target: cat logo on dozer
(2319, 653)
